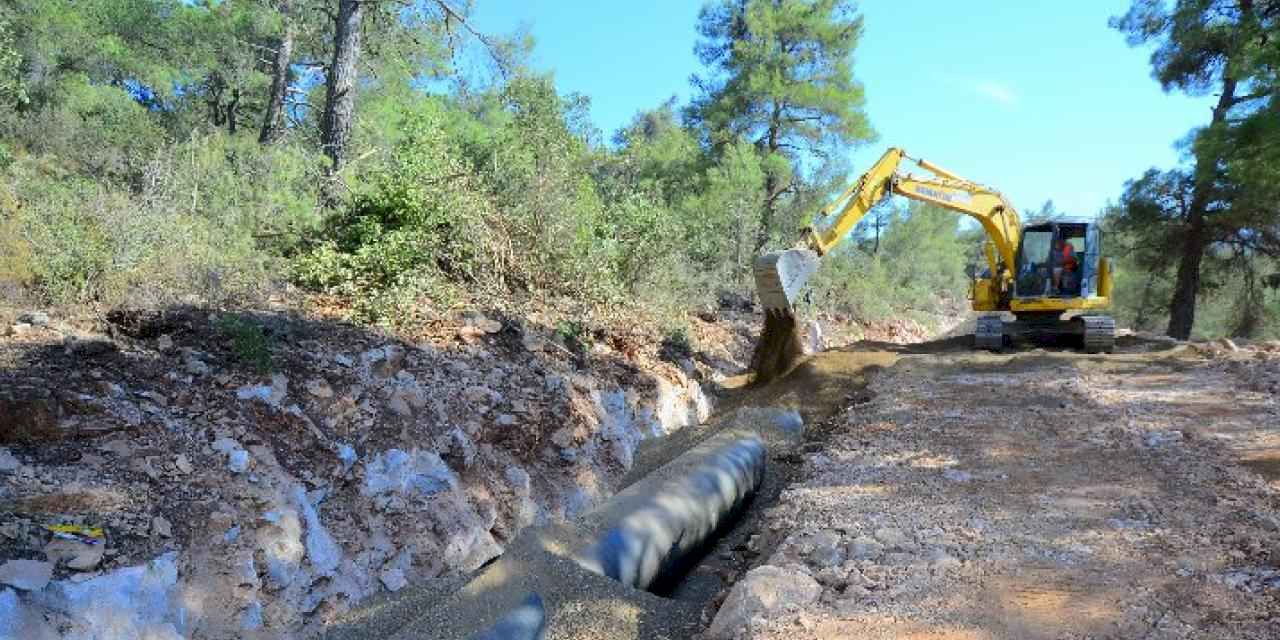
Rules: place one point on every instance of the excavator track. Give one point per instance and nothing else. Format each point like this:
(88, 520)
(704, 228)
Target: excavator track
(989, 333)
(1099, 334)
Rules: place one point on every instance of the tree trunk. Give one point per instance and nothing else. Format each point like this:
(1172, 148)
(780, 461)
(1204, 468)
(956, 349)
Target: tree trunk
(1182, 307)
(232, 108)
(878, 221)
(213, 99)
(273, 122)
(339, 102)
(766, 214)
(771, 145)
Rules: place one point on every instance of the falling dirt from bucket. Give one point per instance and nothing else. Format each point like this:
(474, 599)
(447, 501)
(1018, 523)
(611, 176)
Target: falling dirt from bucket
(779, 348)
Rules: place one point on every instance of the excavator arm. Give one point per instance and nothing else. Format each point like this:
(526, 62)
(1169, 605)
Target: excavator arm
(781, 275)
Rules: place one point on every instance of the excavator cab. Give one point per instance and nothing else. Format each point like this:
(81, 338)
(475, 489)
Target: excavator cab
(1061, 286)
(1058, 259)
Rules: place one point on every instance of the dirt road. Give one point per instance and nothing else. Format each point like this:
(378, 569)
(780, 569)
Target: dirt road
(1038, 495)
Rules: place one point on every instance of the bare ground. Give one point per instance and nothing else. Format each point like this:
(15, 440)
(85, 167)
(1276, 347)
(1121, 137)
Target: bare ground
(1038, 495)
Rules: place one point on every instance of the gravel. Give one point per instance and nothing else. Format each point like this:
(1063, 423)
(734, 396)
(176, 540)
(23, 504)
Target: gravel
(1044, 495)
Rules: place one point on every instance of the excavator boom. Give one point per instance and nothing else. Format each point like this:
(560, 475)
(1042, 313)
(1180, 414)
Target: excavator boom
(781, 275)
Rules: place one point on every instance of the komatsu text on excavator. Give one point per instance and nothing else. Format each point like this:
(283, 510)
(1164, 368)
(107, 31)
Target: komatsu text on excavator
(1049, 274)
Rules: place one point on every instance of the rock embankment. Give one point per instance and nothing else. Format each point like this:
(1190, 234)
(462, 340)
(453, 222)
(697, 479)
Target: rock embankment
(165, 486)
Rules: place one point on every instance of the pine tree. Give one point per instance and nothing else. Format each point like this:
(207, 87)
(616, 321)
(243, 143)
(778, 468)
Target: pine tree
(781, 76)
(1227, 48)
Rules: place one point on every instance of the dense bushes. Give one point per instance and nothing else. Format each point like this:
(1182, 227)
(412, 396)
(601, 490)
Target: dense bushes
(1239, 297)
(132, 174)
(506, 191)
(197, 226)
(491, 195)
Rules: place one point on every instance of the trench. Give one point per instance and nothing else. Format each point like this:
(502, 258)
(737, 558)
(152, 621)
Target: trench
(544, 565)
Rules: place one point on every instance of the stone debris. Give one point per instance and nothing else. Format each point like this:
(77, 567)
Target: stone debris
(8, 463)
(34, 318)
(195, 366)
(1162, 438)
(762, 593)
(238, 461)
(347, 456)
(272, 394)
(279, 538)
(319, 388)
(251, 617)
(160, 526)
(131, 602)
(27, 575)
(383, 362)
(73, 554)
(393, 574)
(417, 473)
(323, 553)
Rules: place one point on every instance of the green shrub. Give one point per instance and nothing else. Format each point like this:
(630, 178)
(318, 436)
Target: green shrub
(414, 230)
(250, 343)
(675, 345)
(16, 255)
(920, 263)
(575, 334)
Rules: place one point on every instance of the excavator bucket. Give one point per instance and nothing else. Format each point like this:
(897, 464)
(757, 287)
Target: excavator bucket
(780, 276)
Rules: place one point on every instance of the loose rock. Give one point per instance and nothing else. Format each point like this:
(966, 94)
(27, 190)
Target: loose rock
(36, 318)
(27, 575)
(160, 526)
(73, 554)
(319, 388)
(764, 591)
(8, 462)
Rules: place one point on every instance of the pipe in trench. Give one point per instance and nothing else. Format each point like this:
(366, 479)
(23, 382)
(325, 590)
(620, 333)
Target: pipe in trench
(654, 539)
(525, 622)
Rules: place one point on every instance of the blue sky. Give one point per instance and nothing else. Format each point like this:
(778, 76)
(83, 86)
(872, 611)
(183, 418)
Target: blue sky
(1041, 100)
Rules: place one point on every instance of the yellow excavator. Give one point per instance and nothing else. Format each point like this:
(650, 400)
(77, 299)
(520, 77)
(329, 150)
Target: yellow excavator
(1050, 275)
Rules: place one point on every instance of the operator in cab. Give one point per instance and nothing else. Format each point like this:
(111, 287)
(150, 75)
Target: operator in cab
(1066, 273)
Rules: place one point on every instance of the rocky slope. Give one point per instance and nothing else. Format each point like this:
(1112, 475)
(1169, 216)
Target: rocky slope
(255, 475)
(243, 504)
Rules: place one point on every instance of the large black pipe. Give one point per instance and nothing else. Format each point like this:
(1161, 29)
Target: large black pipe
(657, 536)
(525, 622)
